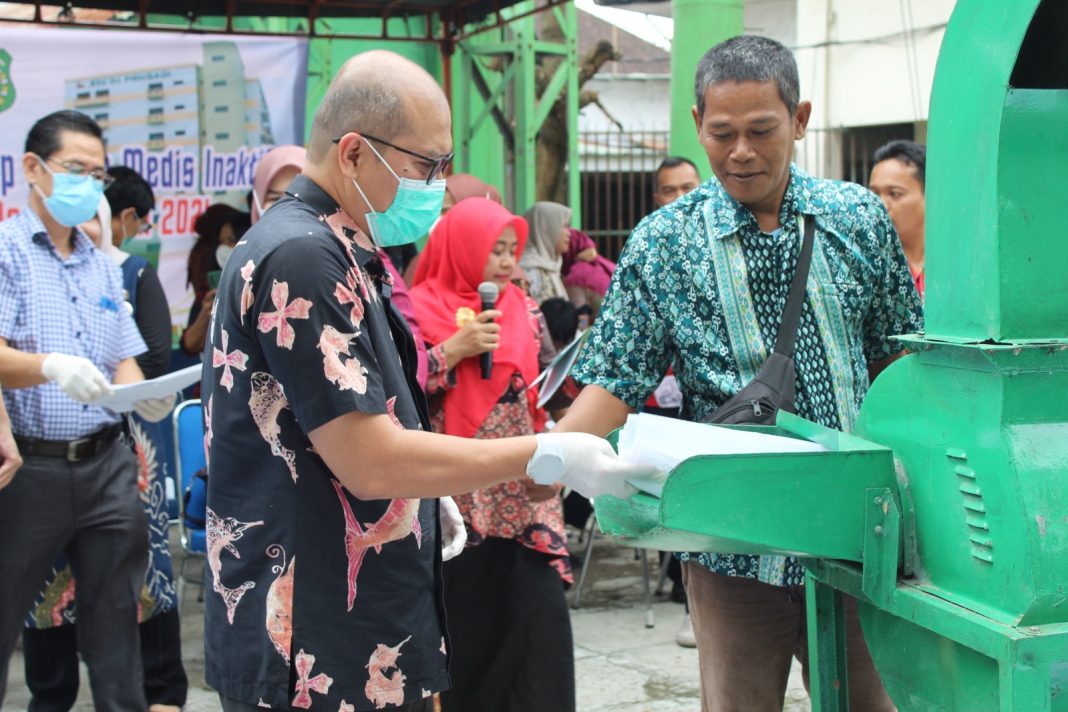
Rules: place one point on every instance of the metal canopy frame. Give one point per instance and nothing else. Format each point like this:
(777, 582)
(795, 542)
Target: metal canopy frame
(446, 21)
(510, 99)
(506, 92)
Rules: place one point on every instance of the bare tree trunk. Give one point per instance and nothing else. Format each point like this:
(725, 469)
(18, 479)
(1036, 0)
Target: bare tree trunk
(552, 146)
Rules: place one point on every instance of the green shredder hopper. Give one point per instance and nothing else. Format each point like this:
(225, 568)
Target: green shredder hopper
(945, 512)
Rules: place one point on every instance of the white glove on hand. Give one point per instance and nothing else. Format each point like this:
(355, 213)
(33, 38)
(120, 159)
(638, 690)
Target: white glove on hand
(155, 409)
(453, 531)
(76, 376)
(583, 462)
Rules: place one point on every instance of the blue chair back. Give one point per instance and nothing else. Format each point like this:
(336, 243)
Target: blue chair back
(188, 421)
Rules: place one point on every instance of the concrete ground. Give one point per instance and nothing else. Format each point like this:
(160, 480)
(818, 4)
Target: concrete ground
(620, 664)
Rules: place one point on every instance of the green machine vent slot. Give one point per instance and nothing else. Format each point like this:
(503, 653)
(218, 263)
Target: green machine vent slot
(974, 508)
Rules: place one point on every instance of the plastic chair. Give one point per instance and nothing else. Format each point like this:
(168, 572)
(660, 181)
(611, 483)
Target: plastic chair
(189, 457)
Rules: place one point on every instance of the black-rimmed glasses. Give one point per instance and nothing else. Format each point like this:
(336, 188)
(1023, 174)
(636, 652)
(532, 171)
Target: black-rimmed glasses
(438, 165)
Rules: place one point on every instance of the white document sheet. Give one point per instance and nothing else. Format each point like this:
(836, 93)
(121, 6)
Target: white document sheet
(665, 442)
(124, 396)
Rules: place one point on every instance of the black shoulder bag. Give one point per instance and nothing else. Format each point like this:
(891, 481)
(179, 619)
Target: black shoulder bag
(773, 388)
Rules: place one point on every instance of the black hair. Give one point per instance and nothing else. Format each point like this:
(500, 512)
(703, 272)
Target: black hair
(43, 138)
(129, 190)
(562, 319)
(908, 152)
(749, 58)
(673, 162)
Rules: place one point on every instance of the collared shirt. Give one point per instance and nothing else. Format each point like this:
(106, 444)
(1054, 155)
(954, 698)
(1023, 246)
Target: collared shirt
(71, 305)
(302, 613)
(701, 288)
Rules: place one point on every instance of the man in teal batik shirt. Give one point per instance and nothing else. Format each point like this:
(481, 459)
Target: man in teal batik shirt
(701, 287)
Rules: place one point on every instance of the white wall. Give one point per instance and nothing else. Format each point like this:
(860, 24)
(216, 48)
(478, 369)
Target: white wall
(864, 63)
(873, 71)
(639, 102)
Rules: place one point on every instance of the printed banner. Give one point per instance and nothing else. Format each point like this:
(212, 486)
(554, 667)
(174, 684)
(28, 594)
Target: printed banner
(193, 114)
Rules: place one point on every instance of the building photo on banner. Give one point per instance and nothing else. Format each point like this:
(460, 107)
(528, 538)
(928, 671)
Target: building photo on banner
(191, 114)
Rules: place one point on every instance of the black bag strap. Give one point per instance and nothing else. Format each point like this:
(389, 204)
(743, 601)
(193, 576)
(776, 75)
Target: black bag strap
(791, 314)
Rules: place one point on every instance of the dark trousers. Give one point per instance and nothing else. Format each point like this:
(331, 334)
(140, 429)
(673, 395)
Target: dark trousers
(511, 632)
(51, 656)
(90, 509)
(747, 633)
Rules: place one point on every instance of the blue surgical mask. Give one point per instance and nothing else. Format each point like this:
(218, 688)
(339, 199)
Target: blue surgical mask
(414, 210)
(74, 199)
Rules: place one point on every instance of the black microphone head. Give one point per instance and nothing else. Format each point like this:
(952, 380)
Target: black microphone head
(487, 292)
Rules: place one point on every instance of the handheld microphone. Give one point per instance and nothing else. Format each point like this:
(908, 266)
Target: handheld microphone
(487, 292)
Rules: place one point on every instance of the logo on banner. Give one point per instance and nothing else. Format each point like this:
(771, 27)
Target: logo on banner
(7, 87)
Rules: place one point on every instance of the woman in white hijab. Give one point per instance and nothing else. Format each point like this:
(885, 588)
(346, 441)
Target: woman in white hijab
(548, 241)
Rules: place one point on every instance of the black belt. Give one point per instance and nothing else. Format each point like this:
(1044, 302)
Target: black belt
(70, 450)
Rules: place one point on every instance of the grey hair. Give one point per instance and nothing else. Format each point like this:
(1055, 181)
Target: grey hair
(360, 103)
(749, 58)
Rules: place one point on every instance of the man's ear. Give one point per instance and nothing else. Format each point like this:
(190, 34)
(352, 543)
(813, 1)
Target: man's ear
(351, 150)
(31, 167)
(801, 117)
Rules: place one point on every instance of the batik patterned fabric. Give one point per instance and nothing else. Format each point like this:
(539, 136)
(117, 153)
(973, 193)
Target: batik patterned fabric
(57, 605)
(504, 510)
(701, 288)
(308, 583)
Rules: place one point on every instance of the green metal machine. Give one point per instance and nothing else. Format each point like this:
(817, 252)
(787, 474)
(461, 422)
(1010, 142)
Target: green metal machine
(952, 531)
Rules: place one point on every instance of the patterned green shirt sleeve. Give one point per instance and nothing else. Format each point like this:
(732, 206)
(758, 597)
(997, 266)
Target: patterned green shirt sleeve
(627, 351)
(895, 304)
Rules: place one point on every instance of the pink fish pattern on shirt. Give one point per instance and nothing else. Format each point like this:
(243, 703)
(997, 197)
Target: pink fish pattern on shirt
(348, 374)
(222, 532)
(266, 404)
(383, 689)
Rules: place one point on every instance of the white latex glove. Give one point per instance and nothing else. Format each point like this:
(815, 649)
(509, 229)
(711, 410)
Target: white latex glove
(453, 531)
(155, 409)
(76, 376)
(583, 462)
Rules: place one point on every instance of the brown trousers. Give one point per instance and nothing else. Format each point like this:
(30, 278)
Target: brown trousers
(747, 634)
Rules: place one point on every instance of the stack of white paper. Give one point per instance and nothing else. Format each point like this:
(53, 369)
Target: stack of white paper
(124, 396)
(665, 442)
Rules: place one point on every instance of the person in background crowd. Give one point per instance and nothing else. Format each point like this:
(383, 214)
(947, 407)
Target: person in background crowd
(898, 178)
(274, 172)
(459, 186)
(131, 202)
(549, 239)
(562, 318)
(218, 229)
(586, 273)
(50, 644)
(674, 177)
(324, 554)
(521, 280)
(508, 617)
(702, 283)
(65, 338)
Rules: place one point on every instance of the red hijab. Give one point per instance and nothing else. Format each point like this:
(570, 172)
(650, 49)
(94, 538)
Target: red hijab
(460, 245)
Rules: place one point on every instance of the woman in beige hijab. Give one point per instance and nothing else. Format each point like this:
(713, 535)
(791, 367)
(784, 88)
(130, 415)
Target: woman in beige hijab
(542, 258)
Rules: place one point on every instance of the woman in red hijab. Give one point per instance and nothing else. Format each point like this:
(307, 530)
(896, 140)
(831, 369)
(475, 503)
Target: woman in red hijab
(508, 619)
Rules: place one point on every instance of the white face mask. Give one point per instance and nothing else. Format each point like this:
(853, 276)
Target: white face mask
(222, 254)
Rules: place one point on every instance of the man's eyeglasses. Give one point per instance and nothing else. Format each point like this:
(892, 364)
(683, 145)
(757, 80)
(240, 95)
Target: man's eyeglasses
(77, 169)
(438, 165)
